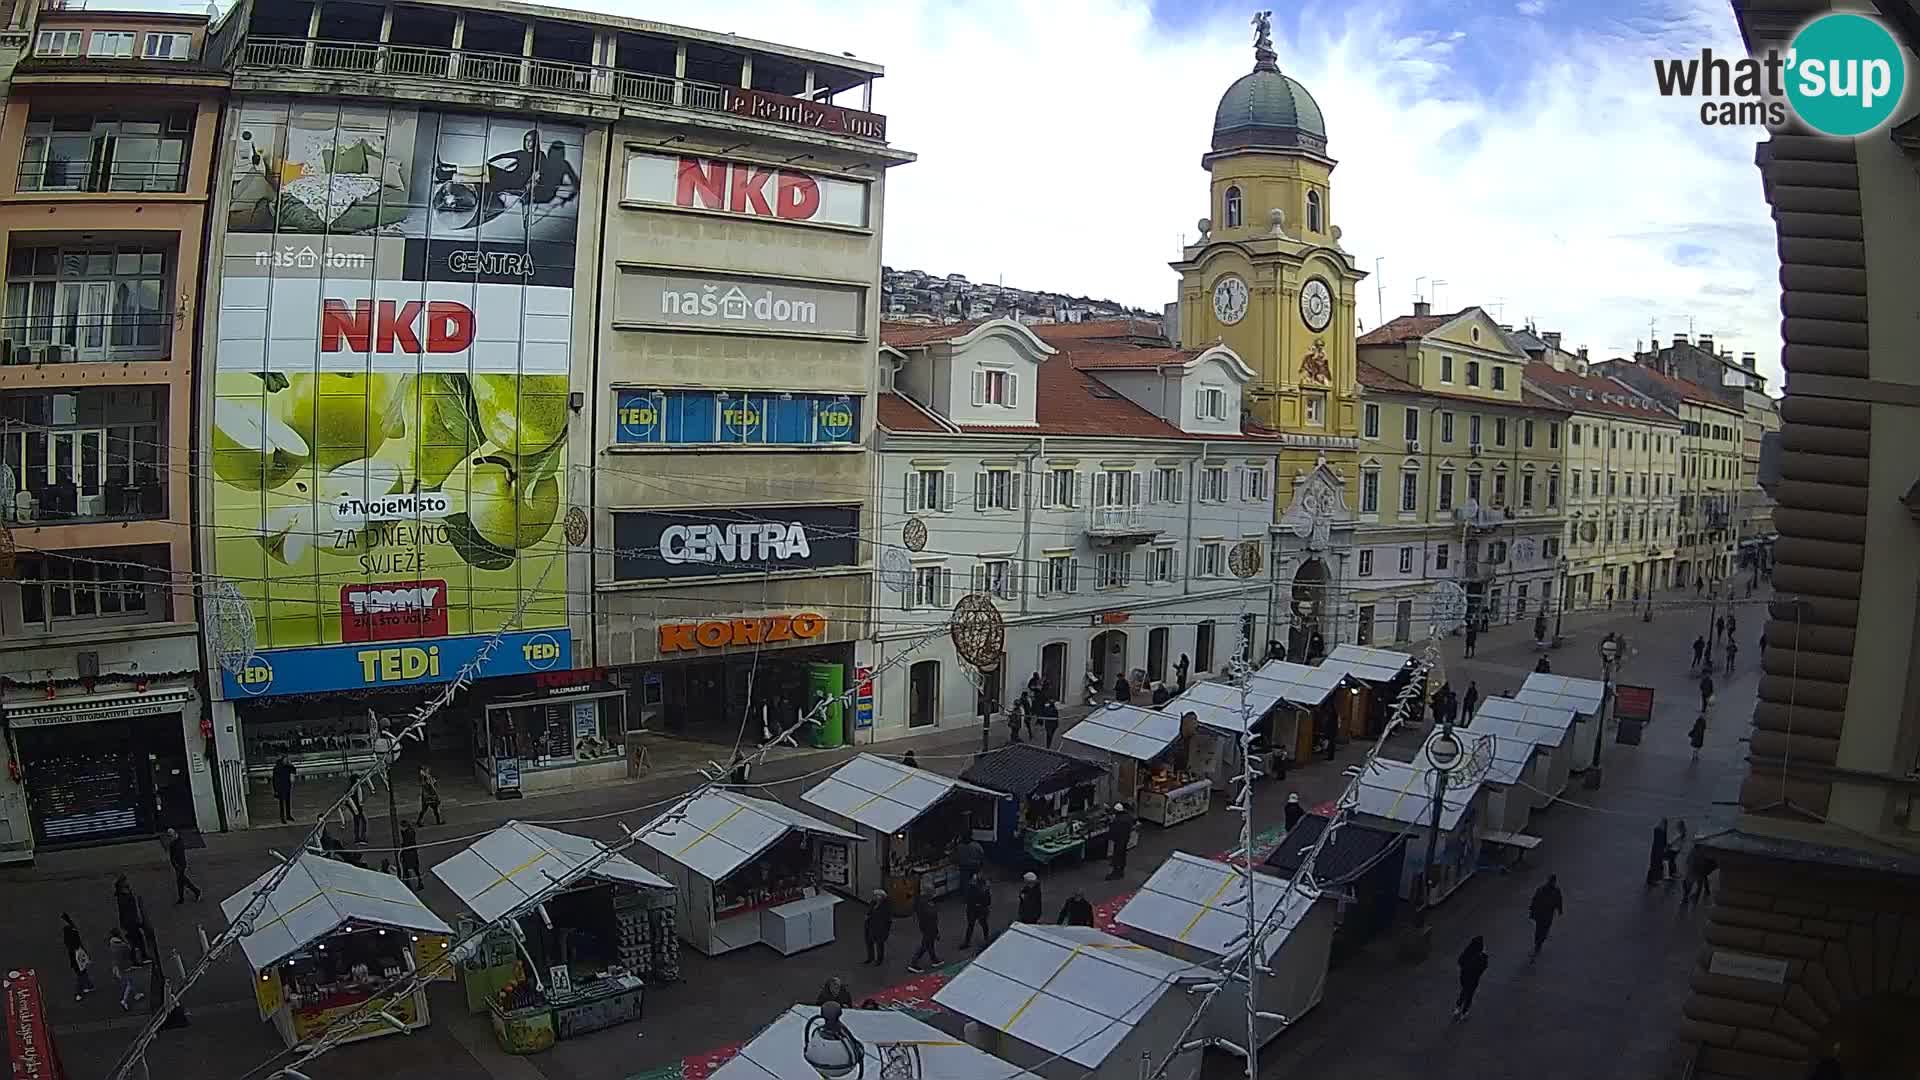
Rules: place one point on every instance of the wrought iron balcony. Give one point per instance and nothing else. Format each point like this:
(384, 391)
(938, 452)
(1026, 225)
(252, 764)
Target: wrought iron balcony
(1120, 524)
(81, 338)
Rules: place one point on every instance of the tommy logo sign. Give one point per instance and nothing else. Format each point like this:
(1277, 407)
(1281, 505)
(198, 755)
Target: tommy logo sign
(393, 611)
(387, 326)
(720, 633)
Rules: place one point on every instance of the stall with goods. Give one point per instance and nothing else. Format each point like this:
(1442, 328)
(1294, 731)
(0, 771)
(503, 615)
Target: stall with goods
(911, 820)
(1195, 909)
(1312, 693)
(1375, 678)
(749, 871)
(1587, 699)
(585, 954)
(1220, 713)
(1147, 752)
(1052, 805)
(1359, 869)
(1397, 797)
(330, 937)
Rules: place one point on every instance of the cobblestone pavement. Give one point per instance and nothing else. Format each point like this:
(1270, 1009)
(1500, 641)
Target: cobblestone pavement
(1600, 1003)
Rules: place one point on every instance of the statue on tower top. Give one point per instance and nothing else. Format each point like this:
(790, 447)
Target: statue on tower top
(1264, 58)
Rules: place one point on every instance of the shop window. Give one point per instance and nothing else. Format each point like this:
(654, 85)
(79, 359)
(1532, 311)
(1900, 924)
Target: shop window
(549, 733)
(1203, 646)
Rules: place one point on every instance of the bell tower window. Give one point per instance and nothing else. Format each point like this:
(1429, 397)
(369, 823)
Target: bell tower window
(1233, 208)
(1314, 216)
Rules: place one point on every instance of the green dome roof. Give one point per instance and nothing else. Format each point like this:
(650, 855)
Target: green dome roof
(1265, 108)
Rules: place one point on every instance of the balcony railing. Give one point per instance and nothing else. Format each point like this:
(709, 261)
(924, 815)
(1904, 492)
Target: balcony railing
(80, 338)
(553, 76)
(67, 504)
(78, 177)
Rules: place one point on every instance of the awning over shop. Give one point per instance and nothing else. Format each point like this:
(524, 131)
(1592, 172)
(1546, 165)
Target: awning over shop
(318, 896)
(720, 831)
(1127, 730)
(883, 794)
(1069, 990)
(1025, 770)
(779, 1051)
(1399, 792)
(1546, 725)
(1202, 903)
(1300, 684)
(1365, 662)
(1583, 696)
(518, 861)
(1220, 707)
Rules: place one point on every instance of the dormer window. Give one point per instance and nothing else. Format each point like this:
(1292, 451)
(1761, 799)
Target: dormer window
(996, 386)
(1234, 210)
(1212, 404)
(1314, 216)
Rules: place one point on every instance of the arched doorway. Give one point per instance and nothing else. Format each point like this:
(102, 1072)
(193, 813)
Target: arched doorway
(1108, 655)
(1307, 607)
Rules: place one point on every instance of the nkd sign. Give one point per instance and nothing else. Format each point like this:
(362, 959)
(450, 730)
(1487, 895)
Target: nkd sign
(648, 298)
(745, 188)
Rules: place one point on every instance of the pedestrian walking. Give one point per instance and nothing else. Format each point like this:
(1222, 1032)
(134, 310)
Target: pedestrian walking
(1180, 672)
(1119, 834)
(1293, 811)
(1473, 965)
(1077, 911)
(1438, 703)
(1697, 735)
(1609, 597)
(979, 912)
(1706, 691)
(410, 855)
(1733, 647)
(1699, 586)
(969, 857)
(1050, 721)
(1657, 854)
(1473, 638)
(1472, 700)
(878, 926)
(1030, 710)
(1733, 627)
(176, 846)
(133, 917)
(1032, 904)
(928, 918)
(834, 990)
(1676, 843)
(1700, 867)
(77, 956)
(1699, 650)
(1014, 720)
(357, 804)
(429, 798)
(909, 760)
(120, 953)
(1544, 666)
(1035, 690)
(283, 788)
(1719, 628)
(1546, 906)
(1122, 689)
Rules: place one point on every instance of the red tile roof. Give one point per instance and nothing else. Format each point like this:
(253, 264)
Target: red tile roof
(1406, 328)
(1069, 401)
(896, 413)
(1685, 388)
(1094, 329)
(1103, 354)
(1562, 386)
(906, 335)
(1374, 378)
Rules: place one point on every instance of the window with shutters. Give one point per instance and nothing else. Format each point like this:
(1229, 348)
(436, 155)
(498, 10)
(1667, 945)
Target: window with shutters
(1167, 484)
(1253, 483)
(1211, 559)
(932, 588)
(1060, 488)
(1163, 565)
(1366, 562)
(928, 491)
(1061, 576)
(996, 489)
(1212, 403)
(1370, 420)
(1370, 491)
(1116, 488)
(1213, 484)
(996, 386)
(1114, 569)
(1409, 491)
(1406, 560)
(996, 577)
(1446, 491)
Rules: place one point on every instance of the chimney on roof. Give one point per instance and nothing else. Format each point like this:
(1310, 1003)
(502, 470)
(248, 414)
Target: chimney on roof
(1706, 343)
(1746, 360)
(1552, 338)
(1422, 307)
(1679, 340)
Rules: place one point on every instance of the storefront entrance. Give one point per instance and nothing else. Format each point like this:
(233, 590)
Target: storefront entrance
(1305, 606)
(106, 779)
(1157, 653)
(923, 694)
(1053, 668)
(1108, 653)
(717, 700)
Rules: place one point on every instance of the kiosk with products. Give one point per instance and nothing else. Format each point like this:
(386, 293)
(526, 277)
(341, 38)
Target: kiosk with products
(589, 951)
(748, 871)
(1374, 679)
(1052, 805)
(912, 820)
(1147, 751)
(330, 937)
(1587, 699)
(1219, 712)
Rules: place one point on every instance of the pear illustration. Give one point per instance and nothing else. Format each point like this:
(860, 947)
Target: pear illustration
(522, 414)
(343, 416)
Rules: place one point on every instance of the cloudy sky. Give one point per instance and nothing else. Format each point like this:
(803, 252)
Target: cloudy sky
(1514, 149)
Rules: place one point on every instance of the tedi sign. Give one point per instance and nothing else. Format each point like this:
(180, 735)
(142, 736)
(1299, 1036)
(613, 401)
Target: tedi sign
(749, 540)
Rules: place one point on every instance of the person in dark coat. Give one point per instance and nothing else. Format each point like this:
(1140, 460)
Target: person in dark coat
(1119, 832)
(1161, 695)
(1316, 647)
(1697, 735)
(1180, 668)
(835, 989)
(928, 917)
(1706, 692)
(357, 805)
(979, 912)
(1657, 854)
(909, 760)
(1031, 903)
(969, 857)
(133, 920)
(1473, 964)
(283, 788)
(77, 957)
(1016, 716)
(1719, 628)
(1077, 911)
(1544, 666)
(1294, 811)
(1050, 720)
(176, 846)
(1699, 651)
(1473, 638)
(879, 924)
(1546, 905)
(1472, 700)
(1122, 690)
(410, 855)
(1035, 688)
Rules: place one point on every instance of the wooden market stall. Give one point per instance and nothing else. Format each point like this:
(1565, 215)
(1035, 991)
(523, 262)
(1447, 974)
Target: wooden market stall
(748, 871)
(1359, 870)
(1221, 713)
(1376, 677)
(1506, 803)
(1147, 750)
(1548, 727)
(330, 938)
(1052, 805)
(1587, 699)
(911, 820)
(1194, 909)
(1312, 691)
(590, 950)
(1394, 797)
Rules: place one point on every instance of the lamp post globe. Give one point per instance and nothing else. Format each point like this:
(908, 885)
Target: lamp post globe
(1443, 751)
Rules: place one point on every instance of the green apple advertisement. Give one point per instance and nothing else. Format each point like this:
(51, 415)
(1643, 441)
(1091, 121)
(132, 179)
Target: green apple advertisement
(388, 432)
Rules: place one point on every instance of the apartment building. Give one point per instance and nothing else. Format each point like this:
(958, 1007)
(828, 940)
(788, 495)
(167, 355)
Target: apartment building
(516, 375)
(1807, 957)
(1706, 364)
(111, 120)
(1460, 476)
(1094, 489)
(1623, 483)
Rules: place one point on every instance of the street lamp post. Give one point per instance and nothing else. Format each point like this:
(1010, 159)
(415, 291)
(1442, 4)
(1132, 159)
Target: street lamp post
(1443, 754)
(1609, 655)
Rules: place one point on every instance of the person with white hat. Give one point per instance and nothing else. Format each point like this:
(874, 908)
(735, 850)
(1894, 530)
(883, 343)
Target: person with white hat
(1119, 833)
(1294, 811)
(1030, 899)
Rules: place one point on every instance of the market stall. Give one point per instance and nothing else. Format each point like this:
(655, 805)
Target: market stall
(1359, 870)
(329, 938)
(748, 871)
(1585, 698)
(1548, 727)
(589, 950)
(1147, 751)
(1376, 677)
(1311, 690)
(1052, 805)
(895, 1043)
(911, 820)
(1506, 803)
(1195, 909)
(1221, 714)
(1394, 797)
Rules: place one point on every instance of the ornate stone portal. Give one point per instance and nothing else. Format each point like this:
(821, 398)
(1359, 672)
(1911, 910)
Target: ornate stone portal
(1310, 544)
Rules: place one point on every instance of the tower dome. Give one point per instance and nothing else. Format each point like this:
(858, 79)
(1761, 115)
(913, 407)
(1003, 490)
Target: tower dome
(1265, 109)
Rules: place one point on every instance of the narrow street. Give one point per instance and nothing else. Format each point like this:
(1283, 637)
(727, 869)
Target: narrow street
(1618, 956)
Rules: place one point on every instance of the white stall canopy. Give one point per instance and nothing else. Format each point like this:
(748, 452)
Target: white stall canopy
(883, 794)
(1365, 662)
(318, 896)
(1299, 684)
(1507, 758)
(1583, 696)
(1068, 990)
(517, 862)
(1127, 730)
(1545, 725)
(779, 1051)
(1219, 706)
(1399, 792)
(1201, 903)
(720, 831)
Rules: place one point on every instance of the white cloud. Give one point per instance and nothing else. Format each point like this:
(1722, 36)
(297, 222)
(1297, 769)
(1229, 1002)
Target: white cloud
(1530, 8)
(1060, 146)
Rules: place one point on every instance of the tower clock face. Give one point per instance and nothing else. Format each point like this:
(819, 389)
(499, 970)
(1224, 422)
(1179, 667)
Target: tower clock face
(1230, 299)
(1316, 304)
